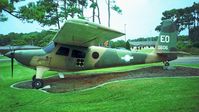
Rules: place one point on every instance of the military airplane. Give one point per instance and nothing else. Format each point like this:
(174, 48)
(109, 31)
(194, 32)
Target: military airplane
(76, 47)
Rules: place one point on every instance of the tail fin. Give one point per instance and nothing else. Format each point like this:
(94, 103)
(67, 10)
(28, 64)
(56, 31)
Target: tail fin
(167, 39)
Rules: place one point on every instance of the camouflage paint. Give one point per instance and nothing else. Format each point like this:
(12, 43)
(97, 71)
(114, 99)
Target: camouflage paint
(108, 57)
(167, 39)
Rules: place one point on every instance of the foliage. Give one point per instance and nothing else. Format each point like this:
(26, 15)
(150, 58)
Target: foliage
(123, 44)
(192, 50)
(46, 12)
(51, 12)
(112, 5)
(145, 39)
(184, 18)
(118, 44)
(7, 6)
(34, 38)
(116, 8)
(196, 44)
(194, 34)
(185, 44)
(94, 5)
(182, 45)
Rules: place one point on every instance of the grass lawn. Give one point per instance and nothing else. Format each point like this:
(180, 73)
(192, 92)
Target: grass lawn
(3, 57)
(135, 95)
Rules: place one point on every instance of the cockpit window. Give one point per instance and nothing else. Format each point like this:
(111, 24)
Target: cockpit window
(78, 54)
(49, 47)
(63, 51)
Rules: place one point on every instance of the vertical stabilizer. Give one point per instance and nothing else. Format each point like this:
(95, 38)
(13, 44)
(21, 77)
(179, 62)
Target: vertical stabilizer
(167, 39)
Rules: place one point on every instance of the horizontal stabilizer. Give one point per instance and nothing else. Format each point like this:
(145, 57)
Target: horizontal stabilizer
(174, 52)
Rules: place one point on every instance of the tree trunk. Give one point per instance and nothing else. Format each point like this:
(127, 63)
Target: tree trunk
(82, 11)
(93, 11)
(98, 11)
(93, 14)
(65, 15)
(57, 15)
(109, 13)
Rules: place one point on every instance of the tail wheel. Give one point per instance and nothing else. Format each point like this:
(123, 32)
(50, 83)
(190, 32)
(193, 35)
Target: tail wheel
(37, 83)
(166, 63)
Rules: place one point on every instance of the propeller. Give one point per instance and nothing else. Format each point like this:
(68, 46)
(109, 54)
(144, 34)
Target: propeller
(11, 52)
(11, 55)
(12, 62)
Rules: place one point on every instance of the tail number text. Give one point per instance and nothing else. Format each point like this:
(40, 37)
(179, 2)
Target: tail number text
(164, 38)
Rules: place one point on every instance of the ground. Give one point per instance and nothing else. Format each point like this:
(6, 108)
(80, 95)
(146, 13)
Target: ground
(84, 81)
(167, 93)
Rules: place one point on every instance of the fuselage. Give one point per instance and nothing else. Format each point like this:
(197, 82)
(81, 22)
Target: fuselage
(72, 58)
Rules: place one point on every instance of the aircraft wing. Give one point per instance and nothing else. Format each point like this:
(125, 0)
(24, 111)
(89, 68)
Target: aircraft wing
(84, 33)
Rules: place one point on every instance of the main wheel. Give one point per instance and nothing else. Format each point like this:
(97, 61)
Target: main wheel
(37, 83)
(166, 63)
(33, 77)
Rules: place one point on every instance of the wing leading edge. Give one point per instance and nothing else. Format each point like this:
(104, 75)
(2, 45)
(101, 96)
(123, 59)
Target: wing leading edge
(84, 33)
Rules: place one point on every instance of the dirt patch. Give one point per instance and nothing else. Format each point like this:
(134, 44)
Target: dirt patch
(84, 81)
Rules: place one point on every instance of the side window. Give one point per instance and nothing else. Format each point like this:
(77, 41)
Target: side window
(78, 54)
(63, 51)
(49, 47)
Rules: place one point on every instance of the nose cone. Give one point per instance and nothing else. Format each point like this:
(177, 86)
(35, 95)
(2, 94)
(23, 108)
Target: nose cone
(25, 56)
(20, 56)
(9, 54)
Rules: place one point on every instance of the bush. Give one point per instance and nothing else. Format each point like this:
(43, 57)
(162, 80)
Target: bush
(182, 45)
(196, 44)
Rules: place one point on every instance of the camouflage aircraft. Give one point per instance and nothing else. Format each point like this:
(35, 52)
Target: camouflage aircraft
(75, 47)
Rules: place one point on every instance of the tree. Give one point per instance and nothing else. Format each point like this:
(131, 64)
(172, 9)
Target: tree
(109, 14)
(51, 12)
(118, 44)
(94, 5)
(33, 38)
(7, 6)
(184, 18)
(98, 12)
(112, 5)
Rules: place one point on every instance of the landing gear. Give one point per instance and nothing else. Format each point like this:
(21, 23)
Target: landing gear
(37, 83)
(33, 77)
(166, 63)
(167, 66)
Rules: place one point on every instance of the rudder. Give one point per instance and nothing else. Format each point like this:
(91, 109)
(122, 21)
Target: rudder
(167, 39)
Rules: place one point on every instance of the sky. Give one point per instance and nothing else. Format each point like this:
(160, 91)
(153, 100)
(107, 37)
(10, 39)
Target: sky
(139, 17)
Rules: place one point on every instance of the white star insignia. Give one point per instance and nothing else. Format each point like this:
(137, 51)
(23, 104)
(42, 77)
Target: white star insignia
(127, 58)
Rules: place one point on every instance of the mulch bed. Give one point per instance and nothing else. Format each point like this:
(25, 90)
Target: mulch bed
(84, 81)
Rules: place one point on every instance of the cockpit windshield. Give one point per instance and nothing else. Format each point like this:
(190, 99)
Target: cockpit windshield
(49, 47)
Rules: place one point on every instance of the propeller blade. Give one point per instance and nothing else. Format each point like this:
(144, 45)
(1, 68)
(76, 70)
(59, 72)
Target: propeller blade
(11, 55)
(12, 66)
